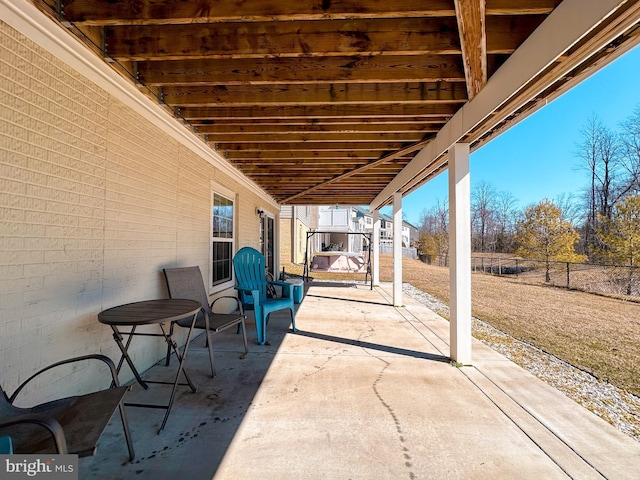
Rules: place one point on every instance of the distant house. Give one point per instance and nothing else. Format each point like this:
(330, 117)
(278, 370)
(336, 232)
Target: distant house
(413, 233)
(409, 232)
(335, 226)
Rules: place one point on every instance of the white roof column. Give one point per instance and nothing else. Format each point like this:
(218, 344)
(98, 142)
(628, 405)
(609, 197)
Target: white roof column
(460, 253)
(375, 248)
(397, 249)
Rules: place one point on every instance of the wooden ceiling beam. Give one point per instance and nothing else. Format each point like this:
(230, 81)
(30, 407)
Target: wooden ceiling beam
(395, 37)
(319, 111)
(302, 175)
(354, 189)
(409, 36)
(359, 94)
(291, 187)
(309, 178)
(108, 12)
(328, 122)
(285, 179)
(314, 128)
(336, 189)
(521, 7)
(310, 162)
(400, 152)
(504, 32)
(314, 70)
(326, 166)
(303, 146)
(324, 163)
(359, 200)
(473, 39)
(266, 157)
(320, 137)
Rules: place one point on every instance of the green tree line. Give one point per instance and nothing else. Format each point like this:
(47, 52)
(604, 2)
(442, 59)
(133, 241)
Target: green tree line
(600, 224)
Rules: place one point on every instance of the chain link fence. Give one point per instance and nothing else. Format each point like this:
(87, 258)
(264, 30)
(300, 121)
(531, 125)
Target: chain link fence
(617, 280)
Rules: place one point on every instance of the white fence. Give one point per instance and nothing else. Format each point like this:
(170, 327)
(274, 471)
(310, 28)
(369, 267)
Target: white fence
(409, 252)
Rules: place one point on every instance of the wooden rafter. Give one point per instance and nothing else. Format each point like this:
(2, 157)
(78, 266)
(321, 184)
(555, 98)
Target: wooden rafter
(316, 94)
(319, 112)
(405, 36)
(107, 12)
(314, 70)
(346, 146)
(407, 150)
(221, 129)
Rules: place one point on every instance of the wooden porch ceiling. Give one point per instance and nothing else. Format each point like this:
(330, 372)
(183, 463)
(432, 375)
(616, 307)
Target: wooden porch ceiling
(317, 101)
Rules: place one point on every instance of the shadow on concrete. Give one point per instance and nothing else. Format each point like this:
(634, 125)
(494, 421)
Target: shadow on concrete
(354, 300)
(201, 425)
(375, 346)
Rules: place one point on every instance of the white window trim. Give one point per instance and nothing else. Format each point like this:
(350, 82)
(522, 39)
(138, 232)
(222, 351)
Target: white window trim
(216, 188)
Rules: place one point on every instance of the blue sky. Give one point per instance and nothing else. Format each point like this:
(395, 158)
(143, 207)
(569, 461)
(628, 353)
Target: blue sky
(537, 159)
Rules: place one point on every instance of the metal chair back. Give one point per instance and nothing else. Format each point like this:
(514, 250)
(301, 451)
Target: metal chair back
(186, 282)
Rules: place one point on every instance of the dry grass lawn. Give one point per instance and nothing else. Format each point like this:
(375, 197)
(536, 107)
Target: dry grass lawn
(598, 334)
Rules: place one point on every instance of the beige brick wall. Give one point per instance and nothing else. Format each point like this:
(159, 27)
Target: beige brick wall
(94, 202)
(301, 241)
(292, 249)
(286, 249)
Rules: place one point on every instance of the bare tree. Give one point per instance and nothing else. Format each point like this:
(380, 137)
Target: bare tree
(572, 210)
(483, 211)
(588, 152)
(506, 220)
(434, 230)
(600, 154)
(630, 151)
(608, 173)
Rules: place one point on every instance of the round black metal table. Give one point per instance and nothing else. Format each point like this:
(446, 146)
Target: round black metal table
(150, 312)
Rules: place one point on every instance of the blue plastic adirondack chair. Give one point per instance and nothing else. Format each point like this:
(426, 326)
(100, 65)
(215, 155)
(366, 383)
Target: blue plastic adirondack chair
(249, 266)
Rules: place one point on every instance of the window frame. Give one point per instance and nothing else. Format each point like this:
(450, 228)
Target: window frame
(229, 195)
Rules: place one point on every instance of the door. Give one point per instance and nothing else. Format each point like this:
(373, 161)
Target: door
(267, 243)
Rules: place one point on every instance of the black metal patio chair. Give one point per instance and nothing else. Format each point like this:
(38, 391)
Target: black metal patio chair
(67, 425)
(186, 282)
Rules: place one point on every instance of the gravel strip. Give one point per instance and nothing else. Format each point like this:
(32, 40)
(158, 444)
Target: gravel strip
(618, 407)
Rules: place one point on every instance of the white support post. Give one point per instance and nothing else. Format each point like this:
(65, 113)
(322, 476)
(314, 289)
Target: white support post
(375, 248)
(397, 249)
(460, 253)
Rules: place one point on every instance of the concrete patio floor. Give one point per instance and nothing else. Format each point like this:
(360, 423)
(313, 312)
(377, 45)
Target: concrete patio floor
(362, 391)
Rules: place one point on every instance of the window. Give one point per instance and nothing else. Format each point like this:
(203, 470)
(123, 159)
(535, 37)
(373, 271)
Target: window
(222, 239)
